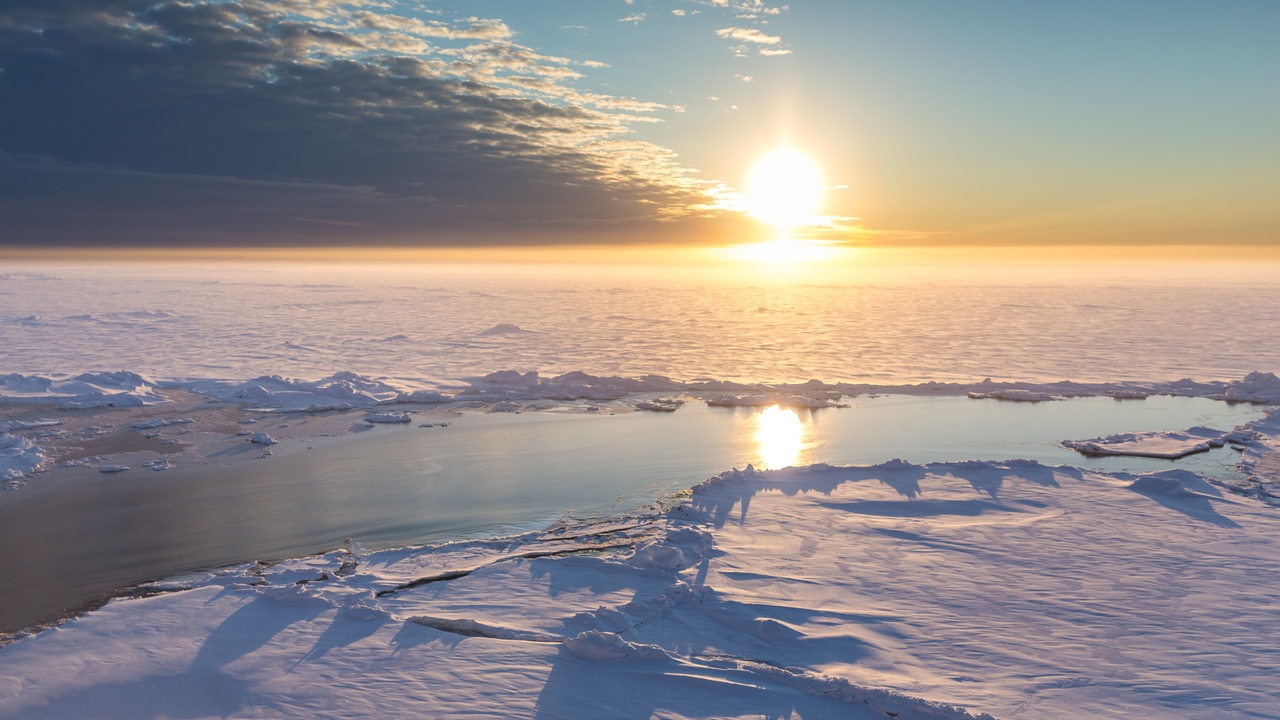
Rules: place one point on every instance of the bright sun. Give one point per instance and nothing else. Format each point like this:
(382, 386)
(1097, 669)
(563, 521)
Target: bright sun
(785, 189)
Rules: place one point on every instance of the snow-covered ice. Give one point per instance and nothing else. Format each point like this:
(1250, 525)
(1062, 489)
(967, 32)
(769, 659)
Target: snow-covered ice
(86, 390)
(417, 325)
(913, 591)
(18, 457)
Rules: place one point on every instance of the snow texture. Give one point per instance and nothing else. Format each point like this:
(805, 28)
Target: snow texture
(949, 590)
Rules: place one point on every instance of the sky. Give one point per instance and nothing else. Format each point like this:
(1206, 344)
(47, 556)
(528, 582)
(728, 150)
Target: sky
(212, 123)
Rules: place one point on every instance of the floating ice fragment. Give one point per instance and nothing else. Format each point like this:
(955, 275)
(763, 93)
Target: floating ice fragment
(28, 424)
(659, 405)
(1165, 444)
(1013, 395)
(113, 468)
(389, 417)
(261, 438)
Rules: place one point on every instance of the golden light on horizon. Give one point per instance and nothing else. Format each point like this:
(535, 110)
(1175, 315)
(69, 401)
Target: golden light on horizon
(785, 189)
(785, 252)
(780, 437)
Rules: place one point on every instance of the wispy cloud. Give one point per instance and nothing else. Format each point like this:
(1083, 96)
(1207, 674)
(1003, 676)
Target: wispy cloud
(151, 121)
(748, 9)
(749, 35)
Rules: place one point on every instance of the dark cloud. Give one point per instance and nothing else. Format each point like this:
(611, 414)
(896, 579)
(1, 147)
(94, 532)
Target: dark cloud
(328, 121)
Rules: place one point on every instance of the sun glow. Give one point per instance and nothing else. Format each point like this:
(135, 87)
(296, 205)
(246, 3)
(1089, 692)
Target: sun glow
(785, 189)
(780, 435)
(786, 252)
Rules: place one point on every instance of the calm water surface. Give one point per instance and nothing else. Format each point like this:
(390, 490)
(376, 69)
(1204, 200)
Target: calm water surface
(85, 534)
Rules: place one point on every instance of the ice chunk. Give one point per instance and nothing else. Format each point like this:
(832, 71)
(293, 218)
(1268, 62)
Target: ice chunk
(1255, 387)
(596, 645)
(19, 457)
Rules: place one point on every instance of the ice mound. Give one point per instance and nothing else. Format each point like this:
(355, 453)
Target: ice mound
(1174, 484)
(1256, 387)
(505, 329)
(87, 390)
(596, 645)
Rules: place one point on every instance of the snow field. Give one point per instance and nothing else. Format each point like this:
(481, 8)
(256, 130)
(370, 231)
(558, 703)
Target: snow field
(897, 590)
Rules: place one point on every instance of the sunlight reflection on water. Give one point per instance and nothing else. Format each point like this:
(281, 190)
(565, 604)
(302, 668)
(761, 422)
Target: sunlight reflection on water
(780, 436)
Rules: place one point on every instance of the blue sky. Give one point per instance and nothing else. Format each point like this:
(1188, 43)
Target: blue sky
(496, 122)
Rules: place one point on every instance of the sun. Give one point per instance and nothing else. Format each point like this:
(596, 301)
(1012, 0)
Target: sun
(784, 189)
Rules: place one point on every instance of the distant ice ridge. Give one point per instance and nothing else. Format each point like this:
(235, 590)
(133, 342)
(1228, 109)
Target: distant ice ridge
(88, 390)
(348, 390)
(341, 391)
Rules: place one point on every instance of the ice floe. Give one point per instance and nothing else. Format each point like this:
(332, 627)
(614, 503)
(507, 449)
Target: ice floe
(1165, 444)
